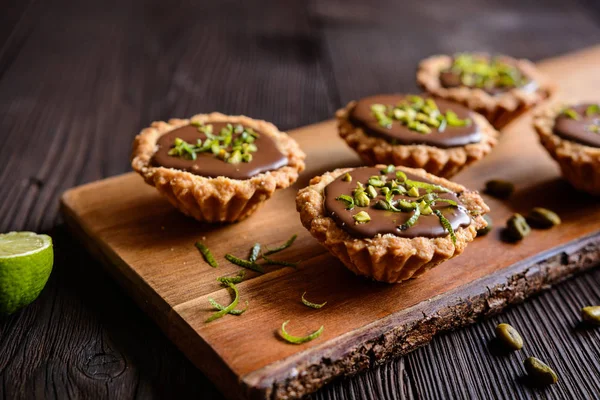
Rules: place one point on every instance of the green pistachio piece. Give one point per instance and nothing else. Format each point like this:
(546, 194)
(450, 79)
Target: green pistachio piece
(592, 109)
(591, 315)
(509, 337)
(377, 181)
(517, 228)
(371, 191)
(571, 113)
(543, 218)
(413, 192)
(488, 228)
(361, 199)
(539, 372)
(499, 188)
(362, 217)
(382, 205)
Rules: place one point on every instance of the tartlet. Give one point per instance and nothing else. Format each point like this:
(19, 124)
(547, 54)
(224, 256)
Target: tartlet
(440, 136)
(498, 87)
(571, 135)
(389, 244)
(236, 166)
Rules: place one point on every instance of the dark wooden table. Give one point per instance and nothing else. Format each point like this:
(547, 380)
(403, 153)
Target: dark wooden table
(78, 79)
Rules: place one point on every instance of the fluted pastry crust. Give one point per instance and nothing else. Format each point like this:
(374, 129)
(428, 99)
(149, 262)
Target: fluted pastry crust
(218, 199)
(444, 162)
(498, 109)
(386, 258)
(580, 164)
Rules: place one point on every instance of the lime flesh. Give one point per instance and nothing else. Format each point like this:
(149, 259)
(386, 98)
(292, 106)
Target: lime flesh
(26, 260)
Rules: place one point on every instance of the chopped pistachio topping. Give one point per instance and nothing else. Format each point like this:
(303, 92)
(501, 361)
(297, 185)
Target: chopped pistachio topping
(418, 204)
(311, 305)
(418, 114)
(349, 201)
(299, 339)
(362, 217)
(485, 72)
(347, 177)
(388, 170)
(571, 113)
(592, 110)
(361, 199)
(413, 192)
(234, 144)
(371, 191)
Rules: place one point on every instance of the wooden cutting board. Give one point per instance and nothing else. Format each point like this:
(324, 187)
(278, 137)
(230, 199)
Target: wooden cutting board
(149, 247)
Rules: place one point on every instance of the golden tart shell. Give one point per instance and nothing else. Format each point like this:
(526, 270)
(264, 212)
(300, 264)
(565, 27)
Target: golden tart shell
(218, 199)
(444, 162)
(579, 164)
(499, 109)
(386, 258)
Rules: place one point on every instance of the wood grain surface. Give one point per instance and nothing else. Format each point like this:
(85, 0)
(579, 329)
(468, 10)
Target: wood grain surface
(148, 246)
(79, 79)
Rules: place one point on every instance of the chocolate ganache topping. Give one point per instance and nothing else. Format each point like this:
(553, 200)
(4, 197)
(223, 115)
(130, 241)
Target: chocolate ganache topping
(580, 124)
(494, 75)
(401, 119)
(218, 149)
(368, 201)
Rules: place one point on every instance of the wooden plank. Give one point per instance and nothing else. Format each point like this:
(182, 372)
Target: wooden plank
(142, 237)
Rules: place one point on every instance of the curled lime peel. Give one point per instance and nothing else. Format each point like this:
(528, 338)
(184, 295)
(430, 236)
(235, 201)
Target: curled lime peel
(244, 263)
(208, 257)
(232, 279)
(299, 339)
(222, 307)
(270, 261)
(446, 224)
(284, 246)
(310, 304)
(227, 309)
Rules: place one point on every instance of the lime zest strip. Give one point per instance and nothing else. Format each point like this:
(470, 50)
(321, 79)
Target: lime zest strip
(244, 263)
(299, 339)
(270, 261)
(232, 279)
(254, 252)
(412, 220)
(227, 309)
(208, 257)
(282, 247)
(311, 305)
(446, 224)
(221, 307)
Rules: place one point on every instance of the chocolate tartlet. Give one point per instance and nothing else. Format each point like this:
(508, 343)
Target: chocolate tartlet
(390, 223)
(498, 87)
(572, 137)
(215, 167)
(439, 136)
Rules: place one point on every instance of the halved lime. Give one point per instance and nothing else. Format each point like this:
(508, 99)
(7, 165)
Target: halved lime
(26, 260)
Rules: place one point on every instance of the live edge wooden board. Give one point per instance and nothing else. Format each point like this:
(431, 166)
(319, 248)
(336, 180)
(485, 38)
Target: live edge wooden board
(149, 247)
